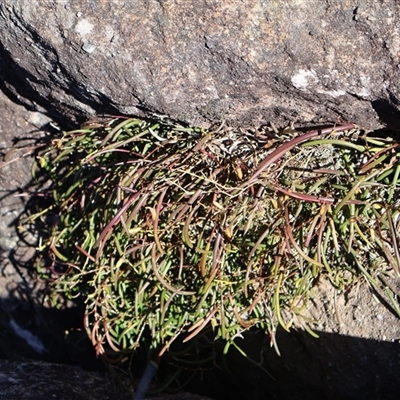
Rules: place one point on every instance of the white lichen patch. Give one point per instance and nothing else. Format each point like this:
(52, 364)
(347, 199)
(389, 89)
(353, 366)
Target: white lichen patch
(332, 93)
(84, 27)
(365, 81)
(302, 79)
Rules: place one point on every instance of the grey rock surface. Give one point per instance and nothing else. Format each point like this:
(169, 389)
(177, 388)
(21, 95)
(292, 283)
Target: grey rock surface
(248, 62)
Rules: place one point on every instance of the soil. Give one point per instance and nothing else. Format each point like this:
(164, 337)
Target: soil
(357, 354)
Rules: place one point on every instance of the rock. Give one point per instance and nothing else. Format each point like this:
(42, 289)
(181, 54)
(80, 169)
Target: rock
(200, 61)
(37, 380)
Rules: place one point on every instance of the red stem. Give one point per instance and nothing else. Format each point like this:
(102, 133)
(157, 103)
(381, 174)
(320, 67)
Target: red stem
(280, 151)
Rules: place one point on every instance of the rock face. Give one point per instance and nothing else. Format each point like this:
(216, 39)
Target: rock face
(356, 360)
(248, 62)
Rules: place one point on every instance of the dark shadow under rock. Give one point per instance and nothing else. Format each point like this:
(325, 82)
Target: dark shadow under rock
(331, 367)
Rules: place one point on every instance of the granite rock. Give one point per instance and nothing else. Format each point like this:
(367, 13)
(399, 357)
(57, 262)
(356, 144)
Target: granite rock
(247, 62)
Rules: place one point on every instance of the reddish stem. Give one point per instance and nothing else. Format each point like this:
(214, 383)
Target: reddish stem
(280, 151)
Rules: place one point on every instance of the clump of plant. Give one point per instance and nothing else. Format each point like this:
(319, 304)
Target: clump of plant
(167, 230)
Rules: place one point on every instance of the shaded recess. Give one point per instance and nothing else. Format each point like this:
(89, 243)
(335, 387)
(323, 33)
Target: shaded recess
(21, 86)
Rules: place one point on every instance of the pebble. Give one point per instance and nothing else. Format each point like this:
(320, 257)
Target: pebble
(88, 48)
